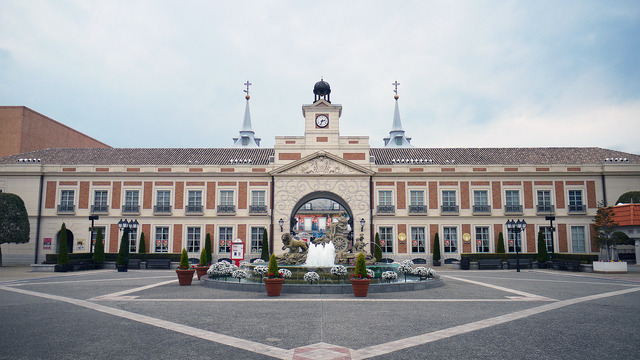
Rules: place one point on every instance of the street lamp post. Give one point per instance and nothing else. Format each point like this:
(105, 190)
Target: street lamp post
(92, 218)
(127, 226)
(362, 222)
(517, 227)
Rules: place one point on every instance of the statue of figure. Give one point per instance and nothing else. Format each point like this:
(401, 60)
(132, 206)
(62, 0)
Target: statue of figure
(359, 246)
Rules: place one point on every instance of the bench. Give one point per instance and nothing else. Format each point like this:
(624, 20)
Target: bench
(84, 264)
(134, 263)
(628, 257)
(159, 263)
(489, 263)
(419, 261)
(524, 263)
(573, 265)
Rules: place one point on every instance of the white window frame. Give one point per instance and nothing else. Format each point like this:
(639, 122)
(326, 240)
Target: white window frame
(576, 247)
(391, 197)
(194, 246)
(162, 248)
(256, 234)
(226, 248)
(383, 237)
(488, 239)
(447, 236)
(416, 238)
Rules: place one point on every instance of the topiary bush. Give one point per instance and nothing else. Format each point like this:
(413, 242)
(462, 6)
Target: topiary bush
(543, 255)
(203, 257)
(631, 197)
(98, 251)
(377, 249)
(123, 253)
(63, 247)
(265, 246)
(143, 244)
(500, 249)
(273, 271)
(436, 248)
(208, 248)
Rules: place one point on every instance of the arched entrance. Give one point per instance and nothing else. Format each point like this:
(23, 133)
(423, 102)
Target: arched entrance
(69, 241)
(315, 212)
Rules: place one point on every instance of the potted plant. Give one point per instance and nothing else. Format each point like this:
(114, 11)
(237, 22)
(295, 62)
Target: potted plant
(543, 255)
(436, 250)
(273, 280)
(360, 280)
(202, 268)
(184, 271)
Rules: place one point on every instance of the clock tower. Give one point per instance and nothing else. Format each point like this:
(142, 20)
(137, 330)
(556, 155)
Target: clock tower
(322, 119)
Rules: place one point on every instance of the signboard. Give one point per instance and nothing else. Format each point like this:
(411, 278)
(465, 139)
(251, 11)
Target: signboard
(237, 251)
(46, 244)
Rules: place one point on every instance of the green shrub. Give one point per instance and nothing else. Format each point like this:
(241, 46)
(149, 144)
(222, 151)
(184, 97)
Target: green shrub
(184, 260)
(265, 246)
(143, 244)
(63, 247)
(203, 257)
(123, 253)
(377, 249)
(208, 249)
(360, 270)
(436, 248)
(543, 255)
(631, 197)
(500, 249)
(98, 251)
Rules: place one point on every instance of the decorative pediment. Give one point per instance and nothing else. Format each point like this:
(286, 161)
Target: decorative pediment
(322, 163)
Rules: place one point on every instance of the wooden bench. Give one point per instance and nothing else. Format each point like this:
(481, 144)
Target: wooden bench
(489, 263)
(159, 263)
(573, 265)
(134, 263)
(419, 261)
(524, 263)
(83, 264)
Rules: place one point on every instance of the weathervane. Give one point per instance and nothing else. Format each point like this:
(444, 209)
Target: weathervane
(395, 90)
(247, 84)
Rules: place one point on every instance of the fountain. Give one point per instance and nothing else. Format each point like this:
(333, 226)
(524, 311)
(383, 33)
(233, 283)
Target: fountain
(321, 255)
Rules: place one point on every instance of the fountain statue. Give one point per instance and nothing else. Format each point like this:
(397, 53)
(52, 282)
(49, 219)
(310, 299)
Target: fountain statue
(331, 248)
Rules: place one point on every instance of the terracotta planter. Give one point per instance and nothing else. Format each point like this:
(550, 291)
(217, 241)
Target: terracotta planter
(274, 286)
(201, 271)
(185, 277)
(360, 287)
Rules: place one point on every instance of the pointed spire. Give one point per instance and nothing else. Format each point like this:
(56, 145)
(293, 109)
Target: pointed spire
(396, 138)
(247, 138)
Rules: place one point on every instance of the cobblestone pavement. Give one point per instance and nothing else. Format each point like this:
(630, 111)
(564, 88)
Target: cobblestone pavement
(536, 314)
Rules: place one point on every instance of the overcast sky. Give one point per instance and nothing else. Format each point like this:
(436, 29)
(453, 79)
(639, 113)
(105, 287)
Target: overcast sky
(472, 73)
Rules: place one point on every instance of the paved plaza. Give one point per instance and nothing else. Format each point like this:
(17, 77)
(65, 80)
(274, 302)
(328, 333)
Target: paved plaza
(534, 314)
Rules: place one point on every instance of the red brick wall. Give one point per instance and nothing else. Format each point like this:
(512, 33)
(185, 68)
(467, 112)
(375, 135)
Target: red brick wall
(532, 239)
(466, 247)
(146, 229)
(591, 195)
(83, 200)
(115, 195)
(289, 156)
(497, 194)
(113, 238)
(592, 232)
(179, 199)
(433, 229)
(50, 202)
(354, 156)
(147, 199)
(242, 195)
(433, 195)
(211, 195)
(464, 194)
(560, 195)
(177, 238)
(528, 195)
(401, 194)
(402, 246)
(562, 237)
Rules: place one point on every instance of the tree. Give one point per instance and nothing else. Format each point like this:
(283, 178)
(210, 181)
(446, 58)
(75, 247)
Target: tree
(265, 246)
(63, 247)
(98, 251)
(604, 226)
(543, 255)
(14, 221)
(123, 253)
(631, 197)
(207, 247)
(360, 270)
(377, 249)
(436, 248)
(143, 245)
(500, 249)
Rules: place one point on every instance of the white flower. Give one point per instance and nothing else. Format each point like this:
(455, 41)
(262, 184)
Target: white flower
(421, 271)
(311, 276)
(407, 262)
(338, 270)
(405, 269)
(258, 261)
(244, 263)
(239, 274)
(389, 275)
(371, 273)
(285, 273)
(260, 270)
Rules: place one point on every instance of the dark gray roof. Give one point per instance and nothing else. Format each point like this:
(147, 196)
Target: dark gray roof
(503, 156)
(383, 156)
(143, 156)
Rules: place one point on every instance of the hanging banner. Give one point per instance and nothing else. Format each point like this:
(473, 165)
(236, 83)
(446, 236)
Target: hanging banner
(46, 244)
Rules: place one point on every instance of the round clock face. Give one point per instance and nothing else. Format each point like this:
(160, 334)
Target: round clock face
(322, 121)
